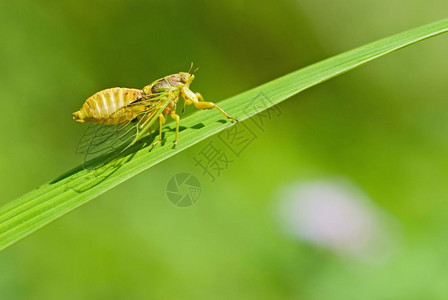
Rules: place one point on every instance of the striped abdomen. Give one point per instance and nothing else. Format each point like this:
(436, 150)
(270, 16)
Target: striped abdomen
(105, 106)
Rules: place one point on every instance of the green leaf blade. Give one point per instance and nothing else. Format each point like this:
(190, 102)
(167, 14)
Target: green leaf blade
(36, 209)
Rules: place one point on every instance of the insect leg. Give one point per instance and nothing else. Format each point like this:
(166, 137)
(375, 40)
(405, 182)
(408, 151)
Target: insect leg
(143, 123)
(200, 98)
(198, 102)
(161, 122)
(175, 117)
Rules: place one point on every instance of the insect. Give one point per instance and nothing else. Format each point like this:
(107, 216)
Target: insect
(121, 116)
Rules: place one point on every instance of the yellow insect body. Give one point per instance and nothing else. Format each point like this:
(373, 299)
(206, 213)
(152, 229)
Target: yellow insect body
(106, 106)
(125, 115)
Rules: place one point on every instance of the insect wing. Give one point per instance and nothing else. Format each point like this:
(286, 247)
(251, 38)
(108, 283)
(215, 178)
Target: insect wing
(101, 140)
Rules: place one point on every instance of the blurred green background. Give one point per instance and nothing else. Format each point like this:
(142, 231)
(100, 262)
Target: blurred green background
(382, 128)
